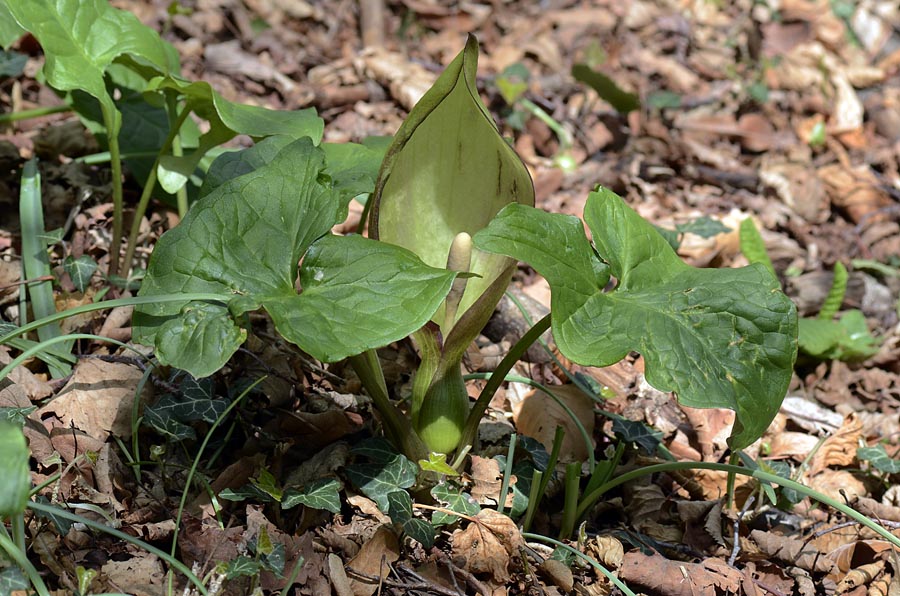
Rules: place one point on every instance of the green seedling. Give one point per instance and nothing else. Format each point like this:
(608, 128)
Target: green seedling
(128, 93)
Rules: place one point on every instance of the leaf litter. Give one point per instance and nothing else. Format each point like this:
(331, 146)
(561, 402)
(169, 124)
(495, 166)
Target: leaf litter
(794, 125)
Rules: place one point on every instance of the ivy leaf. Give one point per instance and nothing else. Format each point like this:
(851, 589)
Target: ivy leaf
(14, 470)
(879, 459)
(80, 270)
(724, 338)
(82, 38)
(454, 500)
(244, 241)
(324, 493)
(389, 471)
(401, 512)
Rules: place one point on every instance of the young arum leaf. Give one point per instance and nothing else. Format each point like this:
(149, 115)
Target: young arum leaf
(81, 38)
(227, 119)
(449, 171)
(244, 241)
(10, 30)
(723, 338)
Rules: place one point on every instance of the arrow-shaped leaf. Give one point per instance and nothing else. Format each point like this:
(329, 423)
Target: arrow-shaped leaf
(244, 241)
(719, 338)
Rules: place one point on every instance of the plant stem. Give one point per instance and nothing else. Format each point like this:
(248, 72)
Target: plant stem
(149, 185)
(34, 113)
(175, 122)
(591, 498)
(470, 433)
(397, 427)
(112, 138)
(570, 499)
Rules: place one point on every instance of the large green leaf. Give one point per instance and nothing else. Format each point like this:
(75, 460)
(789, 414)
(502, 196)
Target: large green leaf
(244, 241)
(449, 171)
(723, 338)
(14, 470)
(227, 119)
(10, 30)
(81, 38)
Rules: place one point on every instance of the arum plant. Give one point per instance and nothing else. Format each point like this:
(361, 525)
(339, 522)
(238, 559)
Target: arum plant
(444, 178)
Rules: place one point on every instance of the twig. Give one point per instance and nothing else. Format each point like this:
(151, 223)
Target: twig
(736, 547)
(421, 582)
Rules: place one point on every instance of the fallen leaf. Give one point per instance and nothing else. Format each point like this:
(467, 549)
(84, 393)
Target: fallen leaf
(487, 545)
(98, 399)
(538, 415)
(374, 559)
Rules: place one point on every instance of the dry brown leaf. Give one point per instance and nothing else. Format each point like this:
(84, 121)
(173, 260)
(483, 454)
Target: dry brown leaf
(657, 574)
(790, 444)
(559, 573)
(406, 80)
(33, 387)
(538, 415)
(607, 550)
(713, 427)
(858, 552)
(860, 576)
(840, 448)
(840, 485)
(373, 559)
(793, 551)
(486, 480)
(854, 190)
(97, 399)
(142, 575)
(487, 544)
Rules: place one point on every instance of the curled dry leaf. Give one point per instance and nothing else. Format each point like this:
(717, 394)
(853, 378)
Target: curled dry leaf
(538, 415)
(406, 80)
(607, 550)
(840, 448)
(854, 190)
(486, 480)
(487, 544)
(97, 399)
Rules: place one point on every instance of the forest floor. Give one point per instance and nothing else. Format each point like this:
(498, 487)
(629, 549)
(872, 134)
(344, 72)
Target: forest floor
(787, 112)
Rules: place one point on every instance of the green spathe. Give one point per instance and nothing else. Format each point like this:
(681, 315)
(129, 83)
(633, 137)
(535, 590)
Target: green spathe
(447, 173)
(719, 338)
